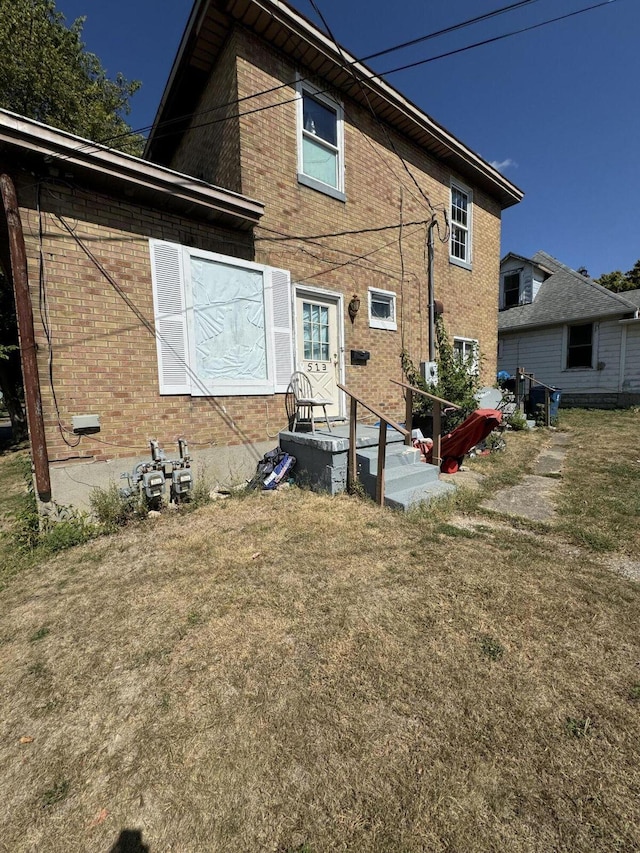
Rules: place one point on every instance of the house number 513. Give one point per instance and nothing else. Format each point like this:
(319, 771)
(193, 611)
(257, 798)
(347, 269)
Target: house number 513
(314, 367)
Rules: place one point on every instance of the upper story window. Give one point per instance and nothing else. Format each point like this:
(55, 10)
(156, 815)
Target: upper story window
(461, 222)
(580, 346)
(511, 290)
(320, 142)
(382, 309)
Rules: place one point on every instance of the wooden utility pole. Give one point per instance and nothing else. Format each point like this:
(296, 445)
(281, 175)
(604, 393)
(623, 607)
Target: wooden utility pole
(26, 332)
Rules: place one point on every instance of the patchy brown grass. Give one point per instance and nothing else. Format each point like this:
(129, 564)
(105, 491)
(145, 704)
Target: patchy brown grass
(292, 672)
(13, 471)
(600, 496)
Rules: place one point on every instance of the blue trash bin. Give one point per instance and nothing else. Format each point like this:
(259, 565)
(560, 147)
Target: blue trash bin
(554, 402)
(536, 398)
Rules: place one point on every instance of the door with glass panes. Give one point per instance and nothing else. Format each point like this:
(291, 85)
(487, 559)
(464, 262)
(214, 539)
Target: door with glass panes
(318, 345)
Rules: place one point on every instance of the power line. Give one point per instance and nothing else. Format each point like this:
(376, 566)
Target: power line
(383, 126)
(382, 74)
(428, 36)
(339, 233)
(495, 39)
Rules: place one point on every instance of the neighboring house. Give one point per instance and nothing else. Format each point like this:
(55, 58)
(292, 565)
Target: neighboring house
(166, 306)
(569, 332)
(261, 101)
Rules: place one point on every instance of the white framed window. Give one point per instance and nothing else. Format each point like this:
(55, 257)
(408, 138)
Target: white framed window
(223, 326)
(382, 309)
(466, 351)
(320, 131)
(461, 221)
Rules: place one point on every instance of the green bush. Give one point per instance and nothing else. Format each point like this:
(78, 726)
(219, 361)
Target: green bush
(58, 535)
(458, 379)
(517, 421)
(111, 508)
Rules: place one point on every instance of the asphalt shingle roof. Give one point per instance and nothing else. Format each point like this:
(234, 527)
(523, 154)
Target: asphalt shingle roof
(566, 296)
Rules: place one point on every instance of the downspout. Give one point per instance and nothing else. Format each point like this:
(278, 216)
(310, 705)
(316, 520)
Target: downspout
(432, 323)
(26, 332)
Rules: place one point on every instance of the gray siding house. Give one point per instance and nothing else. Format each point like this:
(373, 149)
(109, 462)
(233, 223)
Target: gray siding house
(570, 332)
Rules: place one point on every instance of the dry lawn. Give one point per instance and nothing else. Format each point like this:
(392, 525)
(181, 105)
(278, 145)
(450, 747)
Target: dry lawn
(299, 673)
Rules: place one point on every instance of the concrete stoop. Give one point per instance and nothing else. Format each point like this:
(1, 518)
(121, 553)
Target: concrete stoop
(407, 480)
(322, 464)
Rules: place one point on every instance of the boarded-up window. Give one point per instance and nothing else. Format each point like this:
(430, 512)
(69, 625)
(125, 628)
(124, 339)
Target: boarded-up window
(223, 326)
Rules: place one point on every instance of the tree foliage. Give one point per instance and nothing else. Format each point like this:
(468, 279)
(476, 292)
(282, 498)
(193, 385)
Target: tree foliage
(618, 281)
(46, 74)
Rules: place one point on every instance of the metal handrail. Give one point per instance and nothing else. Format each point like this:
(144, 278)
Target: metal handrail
(352, 469)
(438, 403)
(374, 411)
(426, 394)
(532, 378)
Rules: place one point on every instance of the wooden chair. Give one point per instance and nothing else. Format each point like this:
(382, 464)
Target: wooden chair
(300, 402)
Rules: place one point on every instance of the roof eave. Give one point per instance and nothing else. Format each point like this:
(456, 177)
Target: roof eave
(461, 159)
(68, 151)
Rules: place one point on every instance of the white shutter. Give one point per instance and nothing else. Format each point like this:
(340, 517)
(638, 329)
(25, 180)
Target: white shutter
(282, 328)
(170, 317)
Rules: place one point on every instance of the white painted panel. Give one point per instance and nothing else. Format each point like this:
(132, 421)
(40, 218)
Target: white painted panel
(631, 379)
(541, 352)
(170, 317)
(282, 328)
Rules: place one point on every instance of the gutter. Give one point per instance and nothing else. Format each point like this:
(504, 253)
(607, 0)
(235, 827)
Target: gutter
(71, 150)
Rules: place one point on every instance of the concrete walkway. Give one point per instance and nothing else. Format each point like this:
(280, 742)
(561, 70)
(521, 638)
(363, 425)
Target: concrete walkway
(533, 498)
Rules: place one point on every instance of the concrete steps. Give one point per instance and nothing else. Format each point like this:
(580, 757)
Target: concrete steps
(408, 481)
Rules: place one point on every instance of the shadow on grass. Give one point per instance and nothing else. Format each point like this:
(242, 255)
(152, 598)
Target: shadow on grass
(130, 841)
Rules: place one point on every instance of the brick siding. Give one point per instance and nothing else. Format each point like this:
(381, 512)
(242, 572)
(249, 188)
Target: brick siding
(377, 186)
(104, 357)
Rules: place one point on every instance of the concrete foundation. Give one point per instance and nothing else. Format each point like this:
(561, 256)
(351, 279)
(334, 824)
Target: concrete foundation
(73, 482)
(622, 400)
(322, 456)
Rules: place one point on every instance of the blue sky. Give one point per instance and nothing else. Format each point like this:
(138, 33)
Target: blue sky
(558, 107)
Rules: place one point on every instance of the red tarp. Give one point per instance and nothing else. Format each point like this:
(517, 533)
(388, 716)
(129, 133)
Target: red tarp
(460, 441)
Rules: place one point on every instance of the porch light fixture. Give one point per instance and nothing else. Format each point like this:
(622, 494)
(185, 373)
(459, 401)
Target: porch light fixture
(354, 306)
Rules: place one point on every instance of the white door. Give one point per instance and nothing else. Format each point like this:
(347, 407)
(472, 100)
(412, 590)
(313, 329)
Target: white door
(318, 341)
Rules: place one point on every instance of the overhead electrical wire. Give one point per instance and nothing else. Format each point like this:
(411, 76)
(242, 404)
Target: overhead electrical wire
(381, 124)
(436, 34)
(495, 39)
(428, 36)
(382, 74)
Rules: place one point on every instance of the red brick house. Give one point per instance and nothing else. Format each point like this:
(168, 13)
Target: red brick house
(262, 102)
(175, 307)
(87, 216)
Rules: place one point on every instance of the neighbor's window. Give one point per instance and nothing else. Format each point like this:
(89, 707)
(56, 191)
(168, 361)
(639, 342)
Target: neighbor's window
(382, 309)
(460, 241)
(580, 345)
(511, 290)
(320, 142)
(466, 351)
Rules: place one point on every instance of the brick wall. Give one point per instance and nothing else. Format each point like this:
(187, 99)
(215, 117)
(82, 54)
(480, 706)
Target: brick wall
(103, 353)
(378, 193)
(210, 150)
(104, 356)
